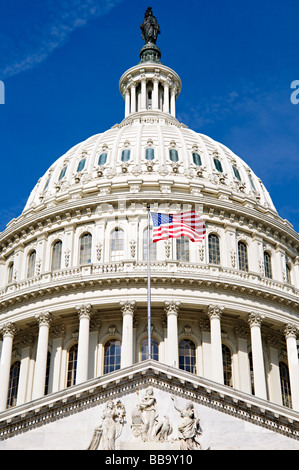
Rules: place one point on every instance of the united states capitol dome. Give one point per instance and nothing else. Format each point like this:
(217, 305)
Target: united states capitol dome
(92, 312)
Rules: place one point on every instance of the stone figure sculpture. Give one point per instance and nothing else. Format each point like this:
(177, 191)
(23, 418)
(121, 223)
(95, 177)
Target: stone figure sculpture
(150, 27)
(189, 429)
(111, 427)
(146, 422)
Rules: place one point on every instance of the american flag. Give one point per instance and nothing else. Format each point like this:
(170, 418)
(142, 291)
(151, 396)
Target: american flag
(185, 224)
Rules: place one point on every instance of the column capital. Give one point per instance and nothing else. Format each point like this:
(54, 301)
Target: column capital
(215, 311)
(171, 307)
(84, 311)
(290, 331)
(58, 331)
(9, 329)
(254, 319)
(44, 319)
(128, 307)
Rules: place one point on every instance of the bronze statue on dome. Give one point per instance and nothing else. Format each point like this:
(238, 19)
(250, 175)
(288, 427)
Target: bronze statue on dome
(150, 27)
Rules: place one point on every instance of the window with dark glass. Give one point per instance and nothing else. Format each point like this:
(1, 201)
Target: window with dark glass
(31, 264)
(62, 173)
(102, 159)
(85, 248)
(214, 249)
(81, 165)
(117, 245)
(242, 256)
(47, 183)
(149, 153)
(236, 173)
(288, 273)
(10, 272)
(218, 165)
(72, 366)
(187, 359)
(112, 353)
(154, 349)
(56, 255)
(47, 373)
(173, 155)
(267, 265)
(13, 386)
(252, 183)
(182, 249)
(125, 155)
(285, 384)
(153, 246)
(227, 365)
(196, 159)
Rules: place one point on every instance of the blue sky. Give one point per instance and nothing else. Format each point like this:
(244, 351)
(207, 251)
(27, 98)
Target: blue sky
(61, 60)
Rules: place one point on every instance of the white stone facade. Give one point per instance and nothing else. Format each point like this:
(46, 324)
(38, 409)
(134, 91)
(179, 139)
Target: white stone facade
(73, 270)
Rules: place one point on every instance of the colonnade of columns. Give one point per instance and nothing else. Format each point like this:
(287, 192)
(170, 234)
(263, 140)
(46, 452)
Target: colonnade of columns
(164, 94)
(171, 309)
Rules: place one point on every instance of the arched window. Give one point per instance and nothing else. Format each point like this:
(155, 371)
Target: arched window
(56, 255)
(236, 173)
(72, 366)
(196, 159)
(47, 183)
(149, 153)
(218, 165)
(81, 165)
(173, 155)
(102, 159)
(182, 249)
(227, 365)
(85, 248)
(117, 245)
(251, 372)
(154, 349)
(112, 353)
(187, 358)
(242, 256)
(214, 249)
(62, 173)
(153, 246)
(267, 265)
(285, 384)
(10, 272)
(252, 183)
(125, 155)
(13, 384)
(31, 264)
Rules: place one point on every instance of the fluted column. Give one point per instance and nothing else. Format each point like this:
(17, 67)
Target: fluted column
(128, 309)
(172, 310)
(58, 333)
(133, 98)
(260, 389)
(172, 101)
(127, 102)
(84, 312)
(214, 313)
(44, 321)
(143, 93)
(166, 98)
(156, 94)
(8, 331)
(291, 339)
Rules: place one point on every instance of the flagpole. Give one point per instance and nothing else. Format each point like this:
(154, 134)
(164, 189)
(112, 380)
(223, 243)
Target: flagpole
(149, 323)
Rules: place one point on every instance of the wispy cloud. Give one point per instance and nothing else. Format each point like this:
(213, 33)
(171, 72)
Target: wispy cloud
(26, 48)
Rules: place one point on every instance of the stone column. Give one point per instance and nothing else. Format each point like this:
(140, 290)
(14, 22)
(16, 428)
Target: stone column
(274, 375)
(84, 312)
(260, 389)
(127, 102)
(8, 331)
(26, 352)
(156, 94)
(143, 93)
(128, 309)
(172, 101)
(291, 338)
(172, 310)
(40, 369)
(133, 98)
(242, 334)
(166, 98)
(214, 313)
